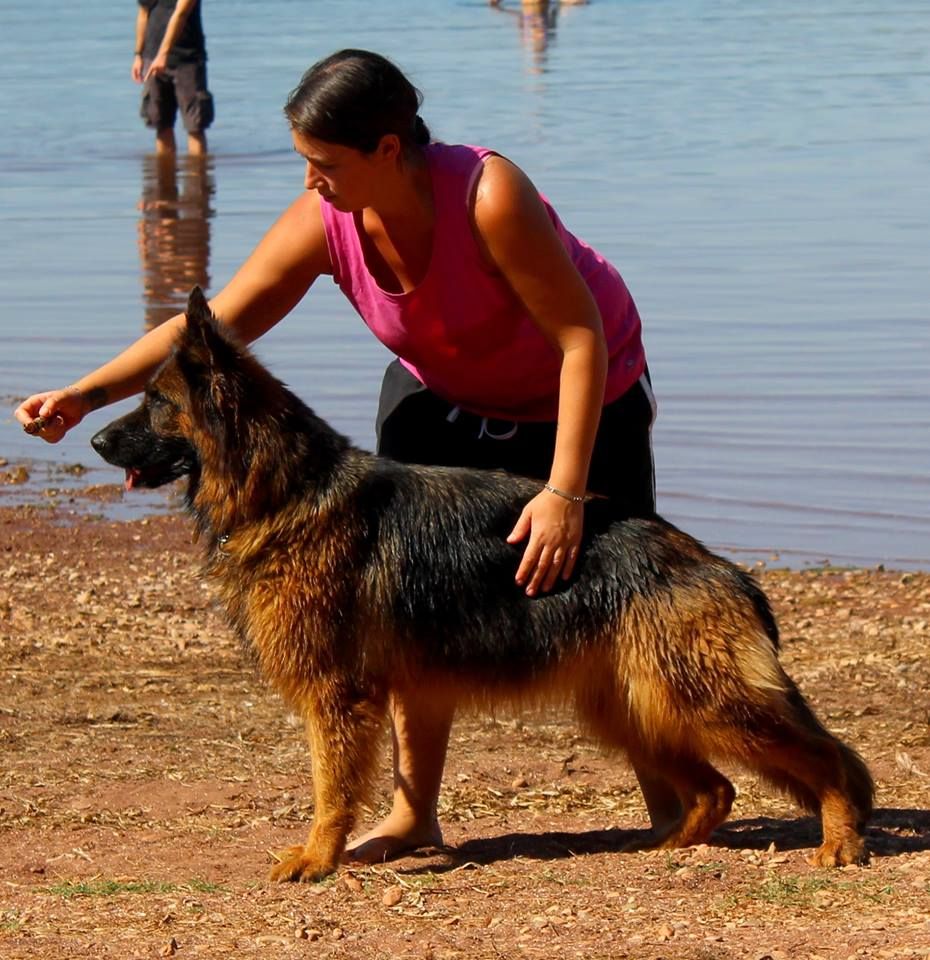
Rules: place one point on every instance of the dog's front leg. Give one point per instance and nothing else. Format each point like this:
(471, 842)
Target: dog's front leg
(344, 734)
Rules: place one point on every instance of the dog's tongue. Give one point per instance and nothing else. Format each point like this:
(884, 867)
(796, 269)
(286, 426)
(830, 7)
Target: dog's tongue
(132, 477)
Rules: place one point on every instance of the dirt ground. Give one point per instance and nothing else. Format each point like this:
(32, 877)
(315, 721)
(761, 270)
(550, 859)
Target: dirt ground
(147, 772)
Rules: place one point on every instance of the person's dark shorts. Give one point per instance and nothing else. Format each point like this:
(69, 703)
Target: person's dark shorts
(414, 425)
(182, 88)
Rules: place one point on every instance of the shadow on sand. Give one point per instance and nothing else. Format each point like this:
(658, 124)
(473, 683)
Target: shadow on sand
(891, 832)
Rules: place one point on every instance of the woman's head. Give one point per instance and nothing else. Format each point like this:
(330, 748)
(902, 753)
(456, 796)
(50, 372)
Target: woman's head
(354, 98)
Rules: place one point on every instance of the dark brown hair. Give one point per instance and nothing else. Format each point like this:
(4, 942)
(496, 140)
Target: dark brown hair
(353, 98)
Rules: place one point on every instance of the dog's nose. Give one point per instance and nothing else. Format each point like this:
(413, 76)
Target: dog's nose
(100, 441)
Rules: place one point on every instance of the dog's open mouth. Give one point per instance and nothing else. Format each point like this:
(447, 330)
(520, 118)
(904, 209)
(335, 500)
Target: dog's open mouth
(149, 460)
(153, 476)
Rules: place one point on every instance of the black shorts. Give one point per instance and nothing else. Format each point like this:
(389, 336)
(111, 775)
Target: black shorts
(416, 426)
(181, 88)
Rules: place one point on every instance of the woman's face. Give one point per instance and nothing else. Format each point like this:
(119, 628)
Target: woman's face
(343, 176)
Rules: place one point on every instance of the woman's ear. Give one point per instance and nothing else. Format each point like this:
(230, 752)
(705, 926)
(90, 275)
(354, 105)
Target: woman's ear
(389, 147)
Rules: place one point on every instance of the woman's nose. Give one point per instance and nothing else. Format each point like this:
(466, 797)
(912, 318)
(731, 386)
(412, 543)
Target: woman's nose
(311, 178)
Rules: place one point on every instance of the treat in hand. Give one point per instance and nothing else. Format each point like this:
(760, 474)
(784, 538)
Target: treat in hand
(37, 425)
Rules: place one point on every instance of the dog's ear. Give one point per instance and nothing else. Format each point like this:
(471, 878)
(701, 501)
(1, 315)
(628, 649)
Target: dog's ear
(202, 344)
(198, 310)
(210, 362)
(202, 338)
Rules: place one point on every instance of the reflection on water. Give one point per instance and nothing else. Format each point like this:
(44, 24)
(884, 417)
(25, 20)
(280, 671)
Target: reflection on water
(174, 231)
(536, 21)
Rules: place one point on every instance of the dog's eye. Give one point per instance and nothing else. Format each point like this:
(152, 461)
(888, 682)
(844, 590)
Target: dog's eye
(156, 399)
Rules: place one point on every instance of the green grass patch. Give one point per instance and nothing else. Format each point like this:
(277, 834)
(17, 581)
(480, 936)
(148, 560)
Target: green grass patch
(203, 886)
(10, 922)
(795, 891)
(115, 888)
(785, 891)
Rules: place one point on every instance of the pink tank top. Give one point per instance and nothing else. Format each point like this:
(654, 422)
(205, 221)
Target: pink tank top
(461, 331)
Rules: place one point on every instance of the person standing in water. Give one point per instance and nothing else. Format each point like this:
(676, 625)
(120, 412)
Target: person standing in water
(170, 61)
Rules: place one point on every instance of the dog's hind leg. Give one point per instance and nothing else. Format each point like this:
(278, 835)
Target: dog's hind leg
(820, 774)
(791, 748)
(687, 799)
(705, 797)
(344, 735)
(662, 800)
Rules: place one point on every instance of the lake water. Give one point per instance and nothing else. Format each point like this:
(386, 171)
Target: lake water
(760, 173)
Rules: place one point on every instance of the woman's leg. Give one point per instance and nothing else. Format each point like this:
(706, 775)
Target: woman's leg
(408, 418)
(415, 426)
(630, 479)
(420, 735)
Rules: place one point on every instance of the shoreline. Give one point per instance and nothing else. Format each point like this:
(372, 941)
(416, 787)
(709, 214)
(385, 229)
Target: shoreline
(74, 492)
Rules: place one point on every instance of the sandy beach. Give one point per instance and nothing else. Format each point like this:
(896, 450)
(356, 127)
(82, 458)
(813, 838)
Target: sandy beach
(148, 772)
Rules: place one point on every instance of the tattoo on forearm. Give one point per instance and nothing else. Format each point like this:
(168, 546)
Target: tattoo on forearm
(95, 398)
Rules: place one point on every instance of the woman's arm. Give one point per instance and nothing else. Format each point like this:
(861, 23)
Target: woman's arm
(521, 242)
(274, 278)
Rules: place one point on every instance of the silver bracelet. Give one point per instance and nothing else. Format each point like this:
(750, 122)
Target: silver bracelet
(564, 494)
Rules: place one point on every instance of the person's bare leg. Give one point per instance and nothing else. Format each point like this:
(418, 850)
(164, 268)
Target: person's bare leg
(196, 144)
(420, 735)
(164, 141)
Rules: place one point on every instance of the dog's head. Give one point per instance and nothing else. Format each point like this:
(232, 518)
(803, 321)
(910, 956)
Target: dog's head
(149, 458)
(213, 412)
(197, 393)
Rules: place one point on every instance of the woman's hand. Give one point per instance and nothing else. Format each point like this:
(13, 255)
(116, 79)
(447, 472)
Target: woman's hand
(554, 527)
(61, 409)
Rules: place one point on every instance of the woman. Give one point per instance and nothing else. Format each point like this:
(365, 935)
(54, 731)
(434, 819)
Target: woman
(519, 345)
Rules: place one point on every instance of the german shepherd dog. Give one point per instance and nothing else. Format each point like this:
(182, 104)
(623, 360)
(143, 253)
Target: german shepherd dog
(354, 577)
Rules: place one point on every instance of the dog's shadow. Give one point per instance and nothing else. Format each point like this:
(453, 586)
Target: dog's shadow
(891, 832)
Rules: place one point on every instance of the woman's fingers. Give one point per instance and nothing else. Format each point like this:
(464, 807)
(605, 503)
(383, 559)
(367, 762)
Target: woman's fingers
(540, 573)
(540, 568)
(50, 415)
(554, 535)
(529, 565)
(555, 567)
(571, 555)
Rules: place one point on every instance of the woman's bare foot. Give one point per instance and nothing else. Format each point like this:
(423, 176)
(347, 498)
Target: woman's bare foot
(397, 834)
(420, 729)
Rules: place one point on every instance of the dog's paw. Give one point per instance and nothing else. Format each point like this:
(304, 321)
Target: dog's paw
(840, 853)
(294, 866)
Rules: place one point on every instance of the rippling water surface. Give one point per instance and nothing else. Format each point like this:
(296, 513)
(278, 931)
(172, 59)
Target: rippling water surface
(760, 173)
